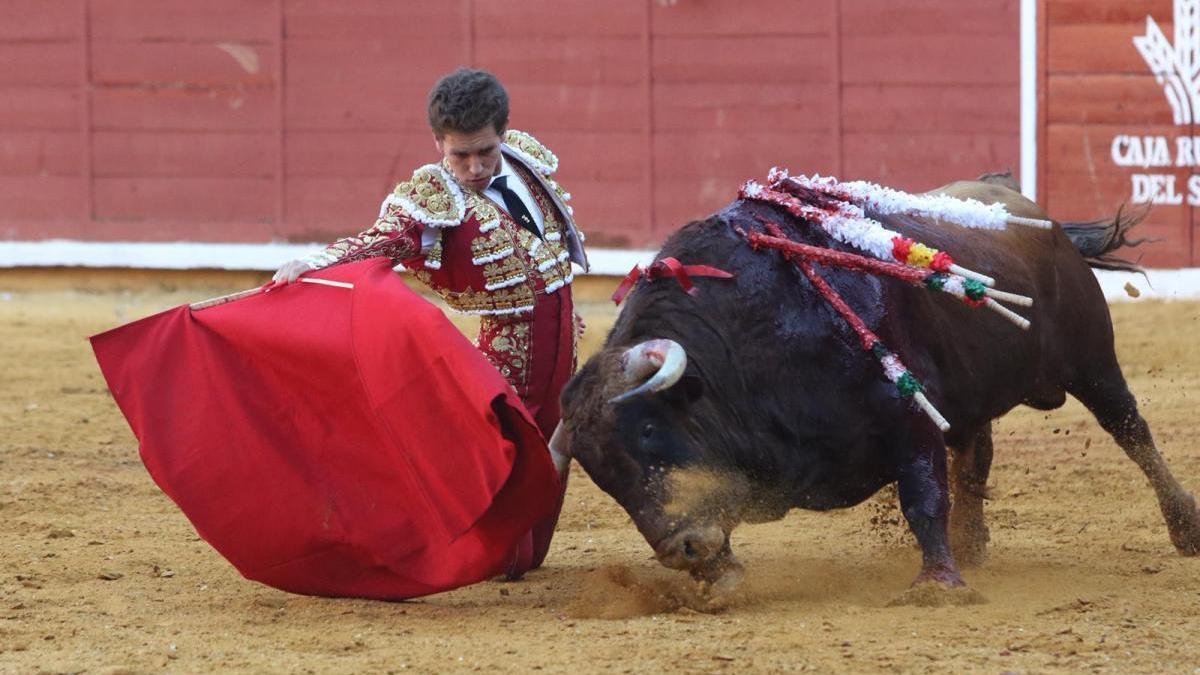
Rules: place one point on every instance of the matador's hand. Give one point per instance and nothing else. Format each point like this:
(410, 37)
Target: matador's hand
(290, 272)
(580, 326)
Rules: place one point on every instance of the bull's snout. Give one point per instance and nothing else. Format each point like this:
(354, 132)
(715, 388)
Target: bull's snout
(691, 548)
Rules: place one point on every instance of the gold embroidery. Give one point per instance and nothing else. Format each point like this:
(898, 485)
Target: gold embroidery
(507, 345)
(394, 235)
(554, 278)
(491, 246)
(507, 272)
(485, 212)
(516, 299)
(432, 197)
(433, 259)
(531, 149)
(510, 258)
(553, 228)
(427, 279)
(551, 259)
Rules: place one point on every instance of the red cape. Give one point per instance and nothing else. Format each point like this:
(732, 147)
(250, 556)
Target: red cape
(333, 441)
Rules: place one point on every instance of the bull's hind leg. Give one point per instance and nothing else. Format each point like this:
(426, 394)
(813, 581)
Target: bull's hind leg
(1109, 399)
(972, 462)
(925, 498)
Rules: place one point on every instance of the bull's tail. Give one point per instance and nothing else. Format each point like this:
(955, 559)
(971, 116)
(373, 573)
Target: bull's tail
(1097, 240)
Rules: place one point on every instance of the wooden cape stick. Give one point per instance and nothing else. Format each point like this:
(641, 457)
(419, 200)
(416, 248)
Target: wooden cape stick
(214, 302)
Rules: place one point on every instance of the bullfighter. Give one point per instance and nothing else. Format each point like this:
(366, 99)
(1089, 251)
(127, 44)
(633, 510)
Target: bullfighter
(490, 231)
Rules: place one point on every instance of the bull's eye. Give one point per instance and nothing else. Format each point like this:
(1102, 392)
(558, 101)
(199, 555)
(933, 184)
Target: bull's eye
(647, 431)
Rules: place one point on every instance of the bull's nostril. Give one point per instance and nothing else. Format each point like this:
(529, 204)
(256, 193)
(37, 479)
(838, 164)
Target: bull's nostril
(689, 550)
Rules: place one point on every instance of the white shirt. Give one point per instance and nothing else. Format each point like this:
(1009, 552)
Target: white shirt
(514, 183)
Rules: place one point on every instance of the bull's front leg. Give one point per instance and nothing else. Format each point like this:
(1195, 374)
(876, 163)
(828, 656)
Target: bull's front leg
(925, 498)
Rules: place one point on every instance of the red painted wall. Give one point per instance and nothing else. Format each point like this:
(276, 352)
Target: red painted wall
(258, 120)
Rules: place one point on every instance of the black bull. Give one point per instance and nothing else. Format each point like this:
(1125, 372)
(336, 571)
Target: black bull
(779, 407)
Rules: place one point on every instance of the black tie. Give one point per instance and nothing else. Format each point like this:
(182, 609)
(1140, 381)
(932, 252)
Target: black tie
(515, 206)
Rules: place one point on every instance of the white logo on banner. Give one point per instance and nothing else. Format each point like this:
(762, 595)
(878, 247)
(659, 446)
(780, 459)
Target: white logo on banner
(1176, 68)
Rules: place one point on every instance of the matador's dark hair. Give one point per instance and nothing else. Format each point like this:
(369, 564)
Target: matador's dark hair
(466, 101)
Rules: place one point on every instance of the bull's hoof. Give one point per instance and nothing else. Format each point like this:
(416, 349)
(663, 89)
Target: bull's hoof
(937, 594)
(944, 575)
(1184, 525)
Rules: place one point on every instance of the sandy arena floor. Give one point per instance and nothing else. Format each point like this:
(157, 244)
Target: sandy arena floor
(100, 573)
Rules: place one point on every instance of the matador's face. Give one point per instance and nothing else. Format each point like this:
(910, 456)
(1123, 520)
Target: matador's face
(473, 157)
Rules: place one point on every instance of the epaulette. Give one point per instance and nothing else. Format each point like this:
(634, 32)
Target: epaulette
(537, 156)
(431, 196)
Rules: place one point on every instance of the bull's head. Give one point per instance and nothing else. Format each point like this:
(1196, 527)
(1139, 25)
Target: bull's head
(630, 419)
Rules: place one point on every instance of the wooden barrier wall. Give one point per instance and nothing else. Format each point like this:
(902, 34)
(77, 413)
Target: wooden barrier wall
(260, 120)
(1100, 100)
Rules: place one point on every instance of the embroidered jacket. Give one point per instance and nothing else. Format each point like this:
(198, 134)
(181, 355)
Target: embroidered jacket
(481, 261)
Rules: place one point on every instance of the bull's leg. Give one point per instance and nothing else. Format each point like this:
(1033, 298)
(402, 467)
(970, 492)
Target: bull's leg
(972, 462)
(925, 499)
(1109, 399)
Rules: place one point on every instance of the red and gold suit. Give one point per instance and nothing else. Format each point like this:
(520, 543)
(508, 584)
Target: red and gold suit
(481, 261)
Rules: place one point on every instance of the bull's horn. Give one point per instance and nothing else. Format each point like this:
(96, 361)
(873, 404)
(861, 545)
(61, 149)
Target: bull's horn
(560, 448)
(663, 360)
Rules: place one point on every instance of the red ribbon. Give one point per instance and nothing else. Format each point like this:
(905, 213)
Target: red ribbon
(666, 268)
